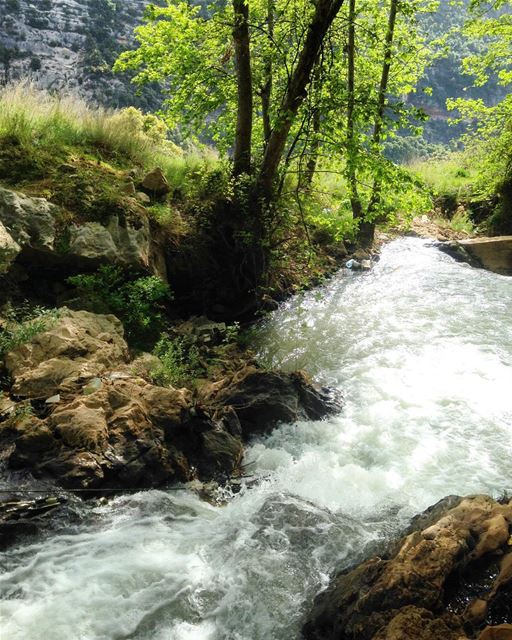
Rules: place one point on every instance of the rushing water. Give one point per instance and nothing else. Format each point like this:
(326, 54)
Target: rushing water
(421, 348)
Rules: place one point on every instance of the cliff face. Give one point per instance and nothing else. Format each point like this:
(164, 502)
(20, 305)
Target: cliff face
(70, 45)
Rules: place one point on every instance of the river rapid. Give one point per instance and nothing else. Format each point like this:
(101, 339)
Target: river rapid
(421, 348)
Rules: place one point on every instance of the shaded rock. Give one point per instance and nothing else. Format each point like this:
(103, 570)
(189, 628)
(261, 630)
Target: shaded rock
(128, 433)
(155, 183)
(262, 400)
(79, 346)
(499, 632)
(142, 197)
(422, 589)
(25, 517)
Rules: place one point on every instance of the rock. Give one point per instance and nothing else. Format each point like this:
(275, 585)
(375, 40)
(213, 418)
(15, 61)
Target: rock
(499, 632)
(29, 232)
(202, 329)
(366, 265)
(127, 434)
(354, 265)
(25, 517)
(112, 242)
(30, 222)
(422, 589)
(129, 188)
(142, 197)
(79, 346)
(9, 249)
(494, 254)
(262, 400)
(155, 183)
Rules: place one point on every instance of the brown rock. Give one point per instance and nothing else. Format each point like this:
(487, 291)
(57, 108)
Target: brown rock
(494, 254)
(499, 632)
(155, 183)
(382, 598)
(80, 345)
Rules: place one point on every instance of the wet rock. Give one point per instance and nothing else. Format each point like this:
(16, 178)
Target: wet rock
(435, 584)
(128, 433)
(155, 183)
(20, 517)
(262, 400)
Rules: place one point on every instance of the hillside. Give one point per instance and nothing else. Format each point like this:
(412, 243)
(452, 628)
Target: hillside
(71, 45)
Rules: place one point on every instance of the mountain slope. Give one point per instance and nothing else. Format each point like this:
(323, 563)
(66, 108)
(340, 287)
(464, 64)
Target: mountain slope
(71, 45)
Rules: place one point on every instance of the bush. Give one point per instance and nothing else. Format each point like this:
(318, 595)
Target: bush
(179, 361)
(23, 323)
(137, 302)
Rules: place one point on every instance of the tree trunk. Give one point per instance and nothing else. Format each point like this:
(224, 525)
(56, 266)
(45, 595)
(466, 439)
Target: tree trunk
(306, 180)
(243, 139)
(367, 230)
(355, 200)
(324, 15)
(266, 89)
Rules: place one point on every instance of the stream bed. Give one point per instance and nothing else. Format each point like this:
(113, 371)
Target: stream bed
(421, 348)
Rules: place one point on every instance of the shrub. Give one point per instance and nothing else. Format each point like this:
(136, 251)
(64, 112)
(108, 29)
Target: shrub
(179, 361)
(137, 302)
(23, 323)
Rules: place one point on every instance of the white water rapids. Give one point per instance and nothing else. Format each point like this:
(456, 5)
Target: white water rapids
(421, 347)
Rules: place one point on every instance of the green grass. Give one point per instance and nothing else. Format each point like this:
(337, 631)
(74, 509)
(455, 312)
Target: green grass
(39, 132)
(452, 175)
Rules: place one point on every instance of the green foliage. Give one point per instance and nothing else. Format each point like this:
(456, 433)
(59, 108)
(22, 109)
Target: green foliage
(180, 361)
(47, 126)
(23, 323)
(136, 302)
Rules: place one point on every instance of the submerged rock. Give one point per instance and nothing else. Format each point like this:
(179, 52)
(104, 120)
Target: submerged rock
(441, 582)
(20, 517)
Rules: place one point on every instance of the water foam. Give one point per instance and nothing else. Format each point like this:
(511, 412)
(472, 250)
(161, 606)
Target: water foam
(422, 349)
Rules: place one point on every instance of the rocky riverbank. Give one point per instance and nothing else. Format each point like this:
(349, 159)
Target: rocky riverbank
(81, 411)
(449, 578)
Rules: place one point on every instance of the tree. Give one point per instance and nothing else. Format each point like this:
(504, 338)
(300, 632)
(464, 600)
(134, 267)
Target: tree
(490, 139)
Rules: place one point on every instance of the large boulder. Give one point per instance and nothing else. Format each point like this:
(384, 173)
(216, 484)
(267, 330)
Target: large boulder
(32, 229)
(264, 399)
(126, 433)
(494, 254)
(77, 345)
(450, 578)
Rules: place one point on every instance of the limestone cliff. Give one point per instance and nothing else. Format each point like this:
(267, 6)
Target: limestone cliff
(71, 45)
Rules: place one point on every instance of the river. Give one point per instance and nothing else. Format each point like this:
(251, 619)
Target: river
(421, 348)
